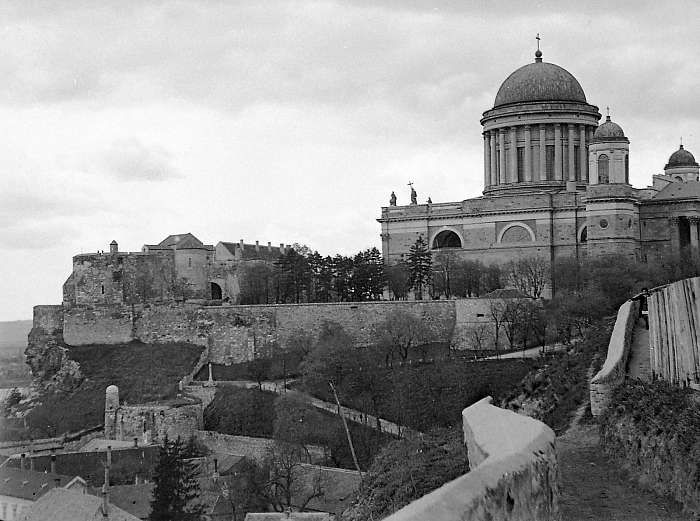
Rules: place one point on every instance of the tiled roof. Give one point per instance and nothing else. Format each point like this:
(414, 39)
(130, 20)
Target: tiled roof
(29, 484)
(291, 516)
(66, 505)
(180, 241)
(685, 190)
(506, 293)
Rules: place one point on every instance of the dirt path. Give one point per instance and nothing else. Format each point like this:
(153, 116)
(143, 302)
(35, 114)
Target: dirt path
(592, 487)
(639, 364)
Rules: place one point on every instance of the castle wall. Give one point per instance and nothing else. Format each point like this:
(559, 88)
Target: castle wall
(152, 423)
(48, 318)
(237, 333)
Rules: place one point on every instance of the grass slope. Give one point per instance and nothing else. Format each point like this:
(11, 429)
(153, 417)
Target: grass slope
(143, 373)
(432, 395)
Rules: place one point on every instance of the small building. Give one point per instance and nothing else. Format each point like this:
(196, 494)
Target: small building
(20, 488)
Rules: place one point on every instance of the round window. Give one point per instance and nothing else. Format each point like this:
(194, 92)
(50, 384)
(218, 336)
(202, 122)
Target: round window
(603, 223)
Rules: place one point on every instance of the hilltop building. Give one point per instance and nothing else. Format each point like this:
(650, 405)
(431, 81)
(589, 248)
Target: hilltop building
(556, 184)
(177, 268)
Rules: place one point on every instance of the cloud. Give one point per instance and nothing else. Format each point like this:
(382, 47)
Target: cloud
(131, 160)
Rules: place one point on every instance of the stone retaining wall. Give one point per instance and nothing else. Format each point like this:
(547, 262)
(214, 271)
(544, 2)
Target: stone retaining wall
(674, 332)
(614, 369)
(254, 448)
(513, 472)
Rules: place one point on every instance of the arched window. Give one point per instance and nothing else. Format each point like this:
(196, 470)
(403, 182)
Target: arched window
(447, 239)
(516, 233)
(584, 234)
(627, 169)
(679, 179)
(603, 169)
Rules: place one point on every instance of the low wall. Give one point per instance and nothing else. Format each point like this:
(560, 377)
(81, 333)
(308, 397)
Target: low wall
(254, 448)
(614, 369)
(674, 332)
(513, 472)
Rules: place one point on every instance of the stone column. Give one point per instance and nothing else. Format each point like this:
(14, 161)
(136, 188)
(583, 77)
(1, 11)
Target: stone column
(674, 230)
(487, 160)
(543, 153)
(557, 152)
(528, 155)
(502, 157)
(492, 147)
(513, 162)
(572, 162)
(694, 239)
(583, 155)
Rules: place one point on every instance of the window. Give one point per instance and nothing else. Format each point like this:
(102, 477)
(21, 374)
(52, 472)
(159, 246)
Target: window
(103, 289)
(627, 169)
(577, 163)
(189, 262)
(603, 169)
(549, 165)
(521, 164)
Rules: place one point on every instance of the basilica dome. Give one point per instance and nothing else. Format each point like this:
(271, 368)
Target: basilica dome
(539, 81)
(609, 131)
(681, 157)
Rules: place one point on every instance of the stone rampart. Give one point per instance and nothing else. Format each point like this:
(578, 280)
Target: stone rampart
(48, 318)
(614, 369)
(238, 333)
(254, 448)
(674, 332)
(234, 334)
(513, 472)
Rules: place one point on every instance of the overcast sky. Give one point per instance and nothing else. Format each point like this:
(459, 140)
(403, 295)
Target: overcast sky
(290, 121)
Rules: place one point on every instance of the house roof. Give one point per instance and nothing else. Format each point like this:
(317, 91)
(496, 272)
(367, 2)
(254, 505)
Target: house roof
(66, 505)
(685, 190)
(506, 293)
(338, 488)
(29, 484)
(179, 241)
(134, 499)
(288, 516)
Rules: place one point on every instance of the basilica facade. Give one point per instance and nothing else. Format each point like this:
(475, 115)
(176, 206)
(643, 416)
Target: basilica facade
(556, 184)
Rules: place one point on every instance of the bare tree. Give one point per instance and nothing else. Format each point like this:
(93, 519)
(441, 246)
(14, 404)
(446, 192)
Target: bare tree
(529, 274)
(399, 332)
(290, 483)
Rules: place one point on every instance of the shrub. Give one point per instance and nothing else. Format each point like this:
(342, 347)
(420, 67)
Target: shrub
(652, 429)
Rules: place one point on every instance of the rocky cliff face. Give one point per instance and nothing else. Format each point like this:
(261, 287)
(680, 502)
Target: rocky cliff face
(47, 355)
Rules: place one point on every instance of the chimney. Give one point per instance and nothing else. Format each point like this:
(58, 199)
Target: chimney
(113, 247)
(53, 464)
(281, 248)
(269, 247)
(22, 461)
(257, 246)
(242, 246)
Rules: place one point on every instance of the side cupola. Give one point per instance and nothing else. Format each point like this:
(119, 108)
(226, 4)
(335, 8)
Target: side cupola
(682, 166)
(608, 154)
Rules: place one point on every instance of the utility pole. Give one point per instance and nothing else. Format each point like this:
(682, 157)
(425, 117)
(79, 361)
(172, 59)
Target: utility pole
(347, 431)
